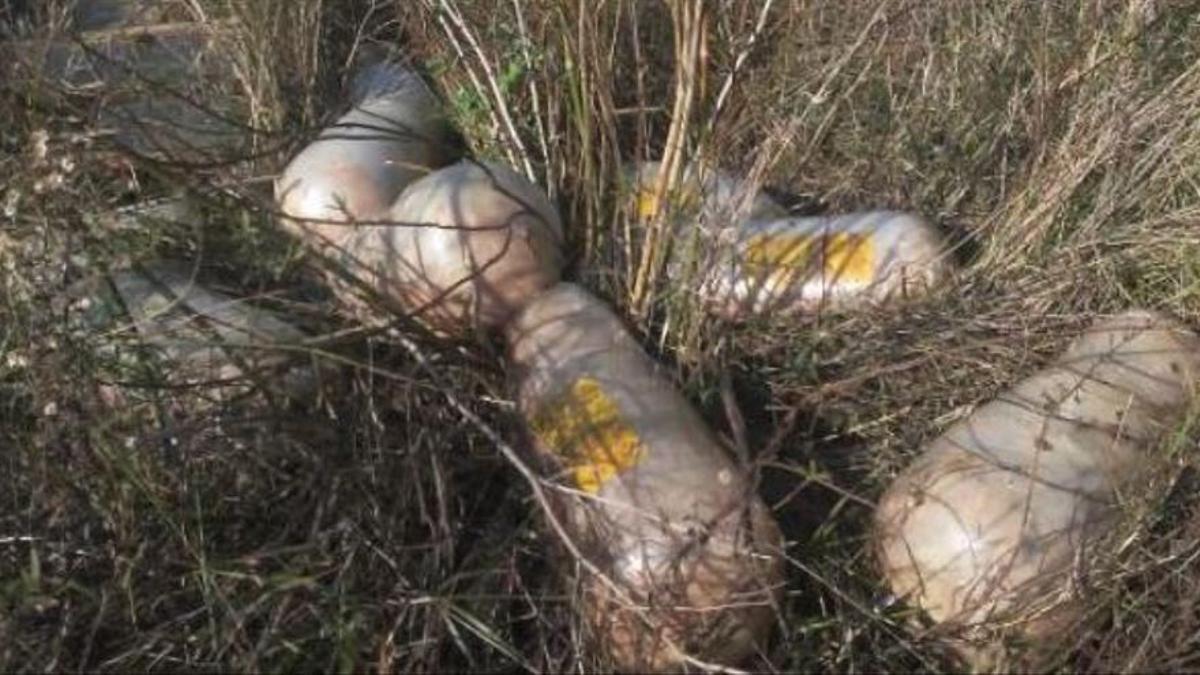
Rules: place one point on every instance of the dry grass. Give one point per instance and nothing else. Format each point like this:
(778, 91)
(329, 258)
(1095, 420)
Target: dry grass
(1057, 144)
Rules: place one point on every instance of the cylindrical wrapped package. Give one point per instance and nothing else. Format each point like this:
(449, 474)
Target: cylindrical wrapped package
(989, 526)
(463, 248)
(802, 265)
(395, 134)
(204, 338)
(101, 14)
(717, 194)
(159, 85)
(690, 558)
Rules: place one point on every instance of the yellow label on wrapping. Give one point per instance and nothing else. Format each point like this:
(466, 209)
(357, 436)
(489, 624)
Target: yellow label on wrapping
(585, 429)
(842, 256)
(647, 205)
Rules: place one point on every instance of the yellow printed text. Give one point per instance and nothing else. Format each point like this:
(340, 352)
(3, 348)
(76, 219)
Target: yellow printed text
(685, 198)
(586, 430)
(840, 256)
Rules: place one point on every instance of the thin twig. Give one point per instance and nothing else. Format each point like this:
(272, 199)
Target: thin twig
(738, 62)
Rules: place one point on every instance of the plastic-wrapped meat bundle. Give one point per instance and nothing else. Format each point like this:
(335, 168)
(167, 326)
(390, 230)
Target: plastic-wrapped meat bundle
(459, 248)
(700, 191)
(688, 556)
(805, 265)
(395, 133)
(987, 528)
(466, 247)
(202, 338)
(166, 90)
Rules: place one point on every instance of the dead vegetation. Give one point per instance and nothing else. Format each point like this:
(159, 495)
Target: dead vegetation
(375, 526)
